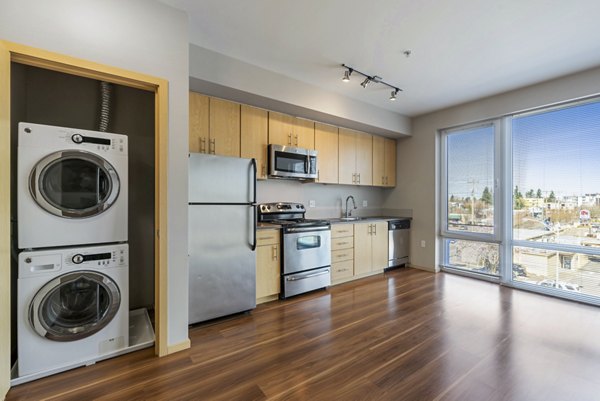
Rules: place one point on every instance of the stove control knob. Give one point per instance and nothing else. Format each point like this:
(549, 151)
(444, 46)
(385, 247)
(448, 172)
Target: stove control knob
(77, 259)
(77, 138)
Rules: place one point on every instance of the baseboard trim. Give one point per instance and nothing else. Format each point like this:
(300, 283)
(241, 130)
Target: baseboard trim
(171, 349)
(429, 269)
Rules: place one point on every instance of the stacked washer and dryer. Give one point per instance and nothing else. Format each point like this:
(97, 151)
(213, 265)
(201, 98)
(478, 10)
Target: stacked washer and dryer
(73, 280)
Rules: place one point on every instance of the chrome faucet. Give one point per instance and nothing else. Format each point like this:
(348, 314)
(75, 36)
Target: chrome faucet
(347, 214)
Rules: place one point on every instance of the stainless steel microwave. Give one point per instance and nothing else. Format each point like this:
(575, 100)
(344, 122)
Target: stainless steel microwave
(290, 162)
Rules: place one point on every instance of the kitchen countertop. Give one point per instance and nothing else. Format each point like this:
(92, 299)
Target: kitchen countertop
(338, 220)
(267, 226)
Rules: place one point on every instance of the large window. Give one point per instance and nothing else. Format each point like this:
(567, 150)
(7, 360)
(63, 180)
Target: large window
(556, 200)
(470, 218)
(543, 231)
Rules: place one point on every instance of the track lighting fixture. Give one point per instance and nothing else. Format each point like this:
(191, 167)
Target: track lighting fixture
(347, 74)
(368, 79)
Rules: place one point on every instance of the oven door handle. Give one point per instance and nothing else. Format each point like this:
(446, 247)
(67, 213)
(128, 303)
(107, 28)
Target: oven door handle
(306, 229)
(296, 278)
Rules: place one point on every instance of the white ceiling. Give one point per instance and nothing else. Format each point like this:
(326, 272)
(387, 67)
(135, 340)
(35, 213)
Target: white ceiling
(461, 49)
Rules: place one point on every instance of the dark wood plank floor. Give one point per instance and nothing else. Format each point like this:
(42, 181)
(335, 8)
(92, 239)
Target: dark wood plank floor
(405, 335)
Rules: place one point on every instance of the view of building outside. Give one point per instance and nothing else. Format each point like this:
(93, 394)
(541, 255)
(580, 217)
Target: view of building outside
(556, 198)
(470, 167)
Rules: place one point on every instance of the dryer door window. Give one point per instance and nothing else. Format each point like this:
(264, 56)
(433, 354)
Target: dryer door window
(74, 306)
(74, 184)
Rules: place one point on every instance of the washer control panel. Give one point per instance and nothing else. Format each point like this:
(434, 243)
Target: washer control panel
(98, 257)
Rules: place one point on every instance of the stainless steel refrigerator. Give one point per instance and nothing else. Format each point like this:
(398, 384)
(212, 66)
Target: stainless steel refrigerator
(222, 236)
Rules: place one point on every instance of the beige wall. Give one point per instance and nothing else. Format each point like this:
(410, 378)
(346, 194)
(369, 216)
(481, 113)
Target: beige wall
(418, 156)
(137, 35)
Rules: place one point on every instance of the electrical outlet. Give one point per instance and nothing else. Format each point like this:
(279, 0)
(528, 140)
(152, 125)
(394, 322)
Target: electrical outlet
(365, 203)
(422, 243)
(312, 203)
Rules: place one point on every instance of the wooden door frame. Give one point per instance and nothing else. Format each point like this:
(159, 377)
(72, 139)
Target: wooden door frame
(160, 87)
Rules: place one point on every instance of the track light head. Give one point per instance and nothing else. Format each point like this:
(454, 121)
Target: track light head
(393, 95)
(365, 82)
(347, 75)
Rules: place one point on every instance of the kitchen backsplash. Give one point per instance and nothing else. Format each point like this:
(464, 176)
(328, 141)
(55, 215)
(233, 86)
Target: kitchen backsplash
(329, 199)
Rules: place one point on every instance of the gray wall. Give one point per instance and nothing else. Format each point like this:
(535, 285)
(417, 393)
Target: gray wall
(418, 156)
(222, 76)
(138, 35)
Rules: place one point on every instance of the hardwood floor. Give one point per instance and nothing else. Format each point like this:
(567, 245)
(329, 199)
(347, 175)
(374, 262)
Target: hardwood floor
(405, 335)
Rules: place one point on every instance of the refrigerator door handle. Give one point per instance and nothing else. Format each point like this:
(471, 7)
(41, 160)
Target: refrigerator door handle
(254, 177)
(253, 246)
(253, 204)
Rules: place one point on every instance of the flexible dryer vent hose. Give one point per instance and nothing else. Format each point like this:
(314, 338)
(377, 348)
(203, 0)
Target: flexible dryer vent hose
(105, 97)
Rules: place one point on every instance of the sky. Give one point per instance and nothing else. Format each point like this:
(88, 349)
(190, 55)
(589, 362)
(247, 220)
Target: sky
(556, 151)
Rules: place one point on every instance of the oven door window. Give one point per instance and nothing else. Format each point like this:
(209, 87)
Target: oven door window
(308, 242)
(290, 162)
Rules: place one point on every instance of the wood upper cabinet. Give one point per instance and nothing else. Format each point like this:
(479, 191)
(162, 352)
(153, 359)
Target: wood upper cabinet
(224, 128)
(384, 162)
(199, 106)
(370, 247)
(326, 143)
(355, 157)
(280, 128)
(390, 162)
(304, 133)
(214, 126)
(254, 137)
(286, 130)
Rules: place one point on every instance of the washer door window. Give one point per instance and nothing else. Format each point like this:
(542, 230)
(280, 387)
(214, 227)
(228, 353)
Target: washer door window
(74, 306)
(74, 184)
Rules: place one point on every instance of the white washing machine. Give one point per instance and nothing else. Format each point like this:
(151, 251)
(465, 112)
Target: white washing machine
(73, 307)
(72, 187)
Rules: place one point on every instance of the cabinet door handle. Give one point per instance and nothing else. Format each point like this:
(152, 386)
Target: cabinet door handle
(274, 247)
(202, 145)
(212, 146)
(318, 174)
(375, 229)
(296, 139)
(370, 230)
(359, 178)
(290, 139)
(263, 169)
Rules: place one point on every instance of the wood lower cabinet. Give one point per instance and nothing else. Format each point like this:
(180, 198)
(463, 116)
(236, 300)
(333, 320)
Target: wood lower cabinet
(326, 143)
(342, 253)
(267, 265)
(355, 157)
(371, 247)
(254, 128)
(384, 162)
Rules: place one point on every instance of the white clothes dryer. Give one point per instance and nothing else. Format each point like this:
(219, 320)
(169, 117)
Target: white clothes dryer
(73, 307)
(72, 187)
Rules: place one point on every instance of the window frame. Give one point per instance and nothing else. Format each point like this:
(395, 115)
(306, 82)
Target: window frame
(498, 194)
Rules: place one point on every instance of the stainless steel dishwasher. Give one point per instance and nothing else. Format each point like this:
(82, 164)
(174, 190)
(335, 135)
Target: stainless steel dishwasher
(399, 242)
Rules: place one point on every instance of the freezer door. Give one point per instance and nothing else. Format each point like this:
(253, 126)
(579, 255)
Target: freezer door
(218, 179)
(222, 264)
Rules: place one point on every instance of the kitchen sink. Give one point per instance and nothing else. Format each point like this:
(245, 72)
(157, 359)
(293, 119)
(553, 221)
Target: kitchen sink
(348, 219)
